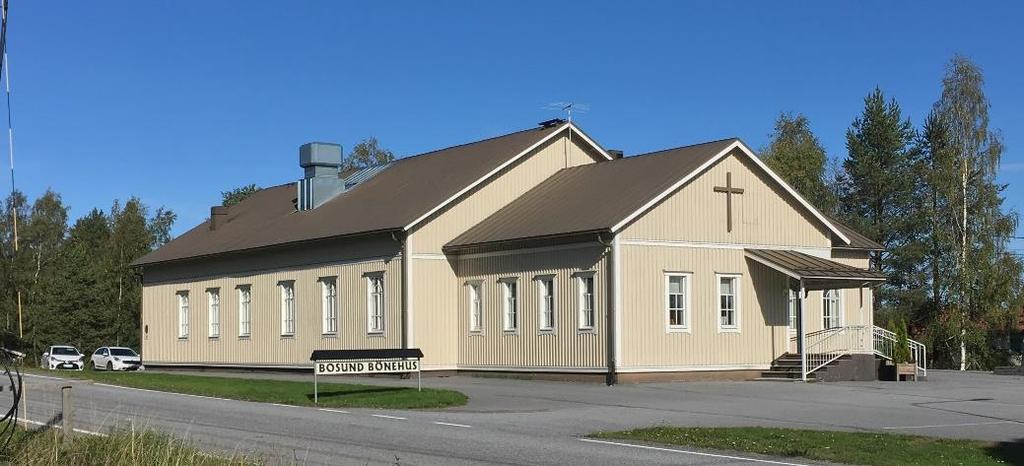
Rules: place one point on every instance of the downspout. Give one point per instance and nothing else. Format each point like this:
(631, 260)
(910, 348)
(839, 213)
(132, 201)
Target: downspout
(612, 321)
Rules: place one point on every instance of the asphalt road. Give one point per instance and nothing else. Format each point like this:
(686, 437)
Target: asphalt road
(533, 422)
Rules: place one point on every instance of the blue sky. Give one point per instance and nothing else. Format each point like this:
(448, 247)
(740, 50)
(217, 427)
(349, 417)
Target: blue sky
(177, 101)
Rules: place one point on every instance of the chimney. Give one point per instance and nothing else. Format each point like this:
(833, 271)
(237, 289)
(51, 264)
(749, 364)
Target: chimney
(615, 153)
(321, 162)
(218, 214)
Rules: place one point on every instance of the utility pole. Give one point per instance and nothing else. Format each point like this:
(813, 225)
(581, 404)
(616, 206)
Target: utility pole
(10, 151)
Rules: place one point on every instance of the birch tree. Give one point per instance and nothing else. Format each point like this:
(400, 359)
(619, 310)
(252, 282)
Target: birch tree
(963, 180)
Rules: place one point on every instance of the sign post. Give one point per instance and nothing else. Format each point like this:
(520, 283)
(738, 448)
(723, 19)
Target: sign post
(353, 362)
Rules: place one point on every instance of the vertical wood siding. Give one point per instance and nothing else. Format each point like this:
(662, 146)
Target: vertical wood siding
(436, 325)
(646, 341)
(566, 347)
(266, 345)
(763, 214)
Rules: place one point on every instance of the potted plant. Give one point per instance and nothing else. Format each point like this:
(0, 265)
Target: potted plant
(901, 356)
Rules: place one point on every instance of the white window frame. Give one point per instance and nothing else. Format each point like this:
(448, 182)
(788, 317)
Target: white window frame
(288, 307)
(213, 311)
(475, 299)
(183, 314)
(375, 304)
(825, 301)
(329, 305)
(792, 309)
(244, 311)
(544, 304)
(736, 302)
(581, 298)
(509, 305)
(687, 293)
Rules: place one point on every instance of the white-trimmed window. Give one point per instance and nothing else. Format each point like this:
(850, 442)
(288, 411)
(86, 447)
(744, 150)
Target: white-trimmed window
(831, 309)
(213, 311)
(183, 310)
(244, 310)
(585, 300)
(728, 302)
(793, 306)
(476, 306)
(677, 301)
(287, 308)
(546, 304)
(375, 303)
(329, 304)
(510, 305)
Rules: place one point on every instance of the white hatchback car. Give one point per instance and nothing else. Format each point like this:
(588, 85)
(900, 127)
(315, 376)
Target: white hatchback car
(114, 358)
(62, 357)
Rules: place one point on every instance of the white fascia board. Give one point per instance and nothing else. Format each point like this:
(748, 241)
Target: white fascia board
(508, 162)
(671, 189)
(757, 161)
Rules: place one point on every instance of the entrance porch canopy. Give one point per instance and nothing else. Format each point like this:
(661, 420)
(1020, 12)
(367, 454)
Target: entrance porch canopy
(815, 273)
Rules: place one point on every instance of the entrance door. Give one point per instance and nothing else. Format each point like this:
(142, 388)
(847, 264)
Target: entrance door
(793, 307)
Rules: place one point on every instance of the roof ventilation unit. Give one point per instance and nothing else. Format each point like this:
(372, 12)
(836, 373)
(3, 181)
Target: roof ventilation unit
(321, 162)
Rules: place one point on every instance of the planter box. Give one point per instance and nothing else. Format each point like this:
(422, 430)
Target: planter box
(907, 370)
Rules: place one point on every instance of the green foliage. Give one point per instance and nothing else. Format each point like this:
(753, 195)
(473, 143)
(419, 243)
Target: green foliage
(122, 448)
(868, 448)
(282, 391)
(878, 194)
(901, 352)
(76, 284)
(367, 153)
(976, 280)
(796, 155)
(234, 196)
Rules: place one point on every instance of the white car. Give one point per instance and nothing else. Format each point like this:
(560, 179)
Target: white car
(63, 357)
(114, 358)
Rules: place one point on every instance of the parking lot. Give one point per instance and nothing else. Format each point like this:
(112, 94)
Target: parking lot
(950, 404)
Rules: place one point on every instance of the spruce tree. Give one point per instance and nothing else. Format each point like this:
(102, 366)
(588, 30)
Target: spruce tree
(879, 194)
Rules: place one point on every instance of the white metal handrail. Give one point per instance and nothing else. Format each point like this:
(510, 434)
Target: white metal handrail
(825, 346)
(885, 341)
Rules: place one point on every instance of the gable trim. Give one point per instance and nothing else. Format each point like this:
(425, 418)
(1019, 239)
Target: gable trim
(572, 128)
(699, 170)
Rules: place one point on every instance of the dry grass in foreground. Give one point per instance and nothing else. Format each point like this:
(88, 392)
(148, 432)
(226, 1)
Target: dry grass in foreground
(123, 448)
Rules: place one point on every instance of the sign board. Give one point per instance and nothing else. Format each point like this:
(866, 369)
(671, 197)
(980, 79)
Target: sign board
(366, 367)
(365, 361)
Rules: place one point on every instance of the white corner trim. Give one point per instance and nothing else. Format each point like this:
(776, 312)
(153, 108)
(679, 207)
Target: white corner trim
(508, 162)
(699, 170)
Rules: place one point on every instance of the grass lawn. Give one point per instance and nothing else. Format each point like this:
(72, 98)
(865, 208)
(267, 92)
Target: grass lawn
(43, 447)
(277, 391)
(838, 447)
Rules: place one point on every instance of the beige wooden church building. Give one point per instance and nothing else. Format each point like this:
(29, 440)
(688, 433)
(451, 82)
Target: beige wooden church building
(537, 252)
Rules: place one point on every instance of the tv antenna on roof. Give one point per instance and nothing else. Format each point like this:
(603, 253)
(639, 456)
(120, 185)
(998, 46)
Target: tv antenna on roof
(568, 108)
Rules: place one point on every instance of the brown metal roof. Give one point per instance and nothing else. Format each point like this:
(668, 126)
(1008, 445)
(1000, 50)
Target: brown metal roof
(857, 240)
(392, 199)
(591, 197)
(810, 267)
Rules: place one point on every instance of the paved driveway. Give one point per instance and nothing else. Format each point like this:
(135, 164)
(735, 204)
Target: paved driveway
(950, 404)
(535, 422)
